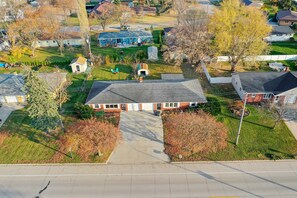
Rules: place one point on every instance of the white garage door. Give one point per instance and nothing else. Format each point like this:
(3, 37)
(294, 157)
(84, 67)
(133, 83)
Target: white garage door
(147, 106)
(2, 99)
(133, 107)
(290, 99)
(11, 99)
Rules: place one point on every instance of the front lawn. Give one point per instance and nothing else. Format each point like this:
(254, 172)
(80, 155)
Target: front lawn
(26, 144)
(257, 140)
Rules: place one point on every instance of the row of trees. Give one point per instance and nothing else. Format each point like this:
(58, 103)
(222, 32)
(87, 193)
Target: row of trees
(109, 13)
(234, 30)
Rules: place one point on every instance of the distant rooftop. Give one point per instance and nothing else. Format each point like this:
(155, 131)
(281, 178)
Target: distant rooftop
(281, 30)
(124, 34)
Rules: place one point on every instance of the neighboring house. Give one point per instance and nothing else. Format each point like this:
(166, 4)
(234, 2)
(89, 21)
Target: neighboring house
(53, 43)
(250, 3)
(280, 33)
(124, 38)
(12, 85)
(286, 17)
(79, 65)
(263, 86)
(99, 8)
(141, 10)
(116, 96)
(8, 11)
(11, 88)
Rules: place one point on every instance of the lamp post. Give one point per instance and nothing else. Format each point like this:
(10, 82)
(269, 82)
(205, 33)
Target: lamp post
(241, 119)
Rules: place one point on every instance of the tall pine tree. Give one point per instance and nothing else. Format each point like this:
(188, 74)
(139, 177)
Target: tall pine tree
(43, 110)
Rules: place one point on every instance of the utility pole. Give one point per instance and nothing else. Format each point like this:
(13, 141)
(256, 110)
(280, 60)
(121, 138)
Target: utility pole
(241, 119)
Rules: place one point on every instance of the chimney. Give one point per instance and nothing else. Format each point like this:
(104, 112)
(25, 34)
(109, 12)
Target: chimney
(140, 79)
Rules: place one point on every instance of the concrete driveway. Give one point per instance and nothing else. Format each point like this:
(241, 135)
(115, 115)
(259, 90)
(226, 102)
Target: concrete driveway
(6, 110)
(290, 119)
(142, 141)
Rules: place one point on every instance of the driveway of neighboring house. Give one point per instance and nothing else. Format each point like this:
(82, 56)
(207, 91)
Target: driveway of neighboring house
(6, 110)
(291, 120)
(142, 139)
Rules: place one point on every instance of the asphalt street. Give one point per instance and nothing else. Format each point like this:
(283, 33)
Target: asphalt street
(205, 179)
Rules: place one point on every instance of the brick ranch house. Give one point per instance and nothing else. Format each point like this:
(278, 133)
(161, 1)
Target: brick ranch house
(263, 86)
(116, 96)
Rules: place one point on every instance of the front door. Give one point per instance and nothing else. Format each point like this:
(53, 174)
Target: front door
(123, 107)
(78, 68)
(159, 106)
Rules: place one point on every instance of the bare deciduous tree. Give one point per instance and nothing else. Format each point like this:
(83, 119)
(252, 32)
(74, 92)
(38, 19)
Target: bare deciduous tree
(190, 39)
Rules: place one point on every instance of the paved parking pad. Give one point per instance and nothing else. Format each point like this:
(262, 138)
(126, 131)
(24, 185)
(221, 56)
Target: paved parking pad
(6, 110)
(142, 139)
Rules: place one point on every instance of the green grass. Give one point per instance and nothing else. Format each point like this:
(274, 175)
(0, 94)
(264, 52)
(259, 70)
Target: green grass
(257, 140)
(28, 145)
(73, 21)
(283, 48)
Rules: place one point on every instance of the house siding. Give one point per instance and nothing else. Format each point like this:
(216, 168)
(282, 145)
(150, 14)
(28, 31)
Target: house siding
(257, 98)
(182, 105)
(286, 22)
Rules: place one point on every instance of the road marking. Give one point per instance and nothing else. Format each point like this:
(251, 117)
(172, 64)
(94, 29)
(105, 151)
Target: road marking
(144, 174)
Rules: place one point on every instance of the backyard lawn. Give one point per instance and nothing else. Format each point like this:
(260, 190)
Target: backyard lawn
(283, 48)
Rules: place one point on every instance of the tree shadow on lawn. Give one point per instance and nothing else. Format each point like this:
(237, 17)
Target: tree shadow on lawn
(250, 122)
(35, 140)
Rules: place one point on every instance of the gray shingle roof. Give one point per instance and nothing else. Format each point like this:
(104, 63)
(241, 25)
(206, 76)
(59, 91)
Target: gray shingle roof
(281, 30)
(53, 80)
(11, 85)
(287, 15)
(274, 82)
(150, 91)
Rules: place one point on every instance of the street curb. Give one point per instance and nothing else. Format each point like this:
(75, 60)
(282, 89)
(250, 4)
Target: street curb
(186, 162)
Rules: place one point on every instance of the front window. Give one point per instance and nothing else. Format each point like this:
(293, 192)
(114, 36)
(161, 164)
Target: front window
(193, 104)
(111, 106)
(253, 95)
(267, 96)
(171, 105)
(96, 106)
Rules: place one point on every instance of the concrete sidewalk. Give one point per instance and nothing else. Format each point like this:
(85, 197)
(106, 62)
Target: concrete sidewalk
(6, 110)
